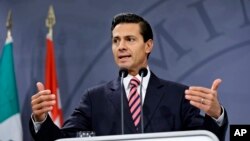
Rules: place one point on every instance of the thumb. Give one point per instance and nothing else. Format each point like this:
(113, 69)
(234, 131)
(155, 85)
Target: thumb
(216, 84)
(40, 86)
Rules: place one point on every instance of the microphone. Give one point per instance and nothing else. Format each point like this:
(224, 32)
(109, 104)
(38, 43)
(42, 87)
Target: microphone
(142, 72)
(123, 72)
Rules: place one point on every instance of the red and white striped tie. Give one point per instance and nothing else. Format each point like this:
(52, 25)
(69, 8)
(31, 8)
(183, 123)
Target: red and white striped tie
(134, 101)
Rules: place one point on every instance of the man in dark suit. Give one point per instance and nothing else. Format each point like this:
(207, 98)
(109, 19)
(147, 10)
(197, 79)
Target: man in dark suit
(167, 106)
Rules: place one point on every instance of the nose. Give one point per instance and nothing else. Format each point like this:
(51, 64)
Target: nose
(122, 46)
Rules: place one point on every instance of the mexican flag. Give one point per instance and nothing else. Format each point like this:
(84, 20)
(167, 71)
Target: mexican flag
(51, 81)
(10, 119)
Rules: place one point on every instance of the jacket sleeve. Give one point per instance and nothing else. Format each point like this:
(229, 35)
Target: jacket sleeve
(48, 131)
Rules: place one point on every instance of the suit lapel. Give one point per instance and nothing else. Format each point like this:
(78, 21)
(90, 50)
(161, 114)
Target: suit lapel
(152, 100)
(115, 97)
(154, 94)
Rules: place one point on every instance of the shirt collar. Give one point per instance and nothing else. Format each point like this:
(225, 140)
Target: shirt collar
(127, 79)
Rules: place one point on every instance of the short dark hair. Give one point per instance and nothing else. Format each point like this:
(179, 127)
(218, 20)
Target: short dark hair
(146, 30)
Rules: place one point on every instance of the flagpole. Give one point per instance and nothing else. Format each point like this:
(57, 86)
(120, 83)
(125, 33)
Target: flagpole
(50, 69)
(10, 118)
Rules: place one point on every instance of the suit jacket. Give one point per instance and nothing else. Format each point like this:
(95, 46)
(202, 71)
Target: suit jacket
(165, 109)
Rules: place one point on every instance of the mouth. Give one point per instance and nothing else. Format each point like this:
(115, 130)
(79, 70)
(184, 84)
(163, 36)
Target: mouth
(124, 57)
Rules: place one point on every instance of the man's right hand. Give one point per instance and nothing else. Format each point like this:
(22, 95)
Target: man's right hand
(42, 102)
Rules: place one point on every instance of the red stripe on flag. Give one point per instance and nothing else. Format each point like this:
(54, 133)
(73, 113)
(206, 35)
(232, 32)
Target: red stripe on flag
(52, 84)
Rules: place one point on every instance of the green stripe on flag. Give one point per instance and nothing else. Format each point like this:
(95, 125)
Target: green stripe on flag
(9, 104)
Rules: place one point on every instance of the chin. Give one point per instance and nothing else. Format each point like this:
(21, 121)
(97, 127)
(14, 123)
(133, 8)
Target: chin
(123, 66)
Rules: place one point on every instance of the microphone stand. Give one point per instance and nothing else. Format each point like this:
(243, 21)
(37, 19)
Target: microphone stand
(122, 73)
(122, 112)
(142, 72)
(142, 124)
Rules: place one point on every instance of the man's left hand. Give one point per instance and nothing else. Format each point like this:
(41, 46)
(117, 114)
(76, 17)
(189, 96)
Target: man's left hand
(205, 99)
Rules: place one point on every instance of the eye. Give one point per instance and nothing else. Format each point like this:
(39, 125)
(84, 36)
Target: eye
(131, 39)
(115, 41)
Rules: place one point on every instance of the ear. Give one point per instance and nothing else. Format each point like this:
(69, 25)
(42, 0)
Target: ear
(149, 46)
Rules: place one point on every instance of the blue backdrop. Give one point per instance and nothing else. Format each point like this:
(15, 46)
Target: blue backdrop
(196, 41)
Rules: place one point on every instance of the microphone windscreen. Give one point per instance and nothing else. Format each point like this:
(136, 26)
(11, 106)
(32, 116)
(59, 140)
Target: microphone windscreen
(123, 72)
(143, 72)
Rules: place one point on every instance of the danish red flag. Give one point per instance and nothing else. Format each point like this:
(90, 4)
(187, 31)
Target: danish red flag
(51, 81)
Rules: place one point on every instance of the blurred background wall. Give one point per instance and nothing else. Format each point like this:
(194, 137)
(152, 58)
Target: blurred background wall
(196, 41)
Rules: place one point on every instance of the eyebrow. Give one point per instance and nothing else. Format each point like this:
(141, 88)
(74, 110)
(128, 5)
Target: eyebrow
(124, 36)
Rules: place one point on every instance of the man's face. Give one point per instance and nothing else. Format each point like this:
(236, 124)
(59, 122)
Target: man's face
(129, 49)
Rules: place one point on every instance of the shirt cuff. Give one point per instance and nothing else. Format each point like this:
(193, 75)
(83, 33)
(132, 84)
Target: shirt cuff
(37, 125)
(220, 120)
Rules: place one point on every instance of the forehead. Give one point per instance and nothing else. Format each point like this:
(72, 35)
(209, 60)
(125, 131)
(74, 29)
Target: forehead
(126, 29)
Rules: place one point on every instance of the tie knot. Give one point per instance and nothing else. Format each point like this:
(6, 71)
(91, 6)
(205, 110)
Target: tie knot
(134, 82)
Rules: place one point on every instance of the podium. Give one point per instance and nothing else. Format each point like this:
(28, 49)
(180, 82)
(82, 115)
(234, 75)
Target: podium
(194, 135)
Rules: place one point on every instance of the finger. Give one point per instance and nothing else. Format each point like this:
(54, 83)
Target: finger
(193, 98)
(216, 84)
(198, 94)
(40, 93)
(44, 104)
(201, 89)
(42, 97)
(198, 105)
(42, 111)
(198, 99)
(40, 86)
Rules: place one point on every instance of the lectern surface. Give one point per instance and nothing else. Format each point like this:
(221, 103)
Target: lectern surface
(197, 135)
